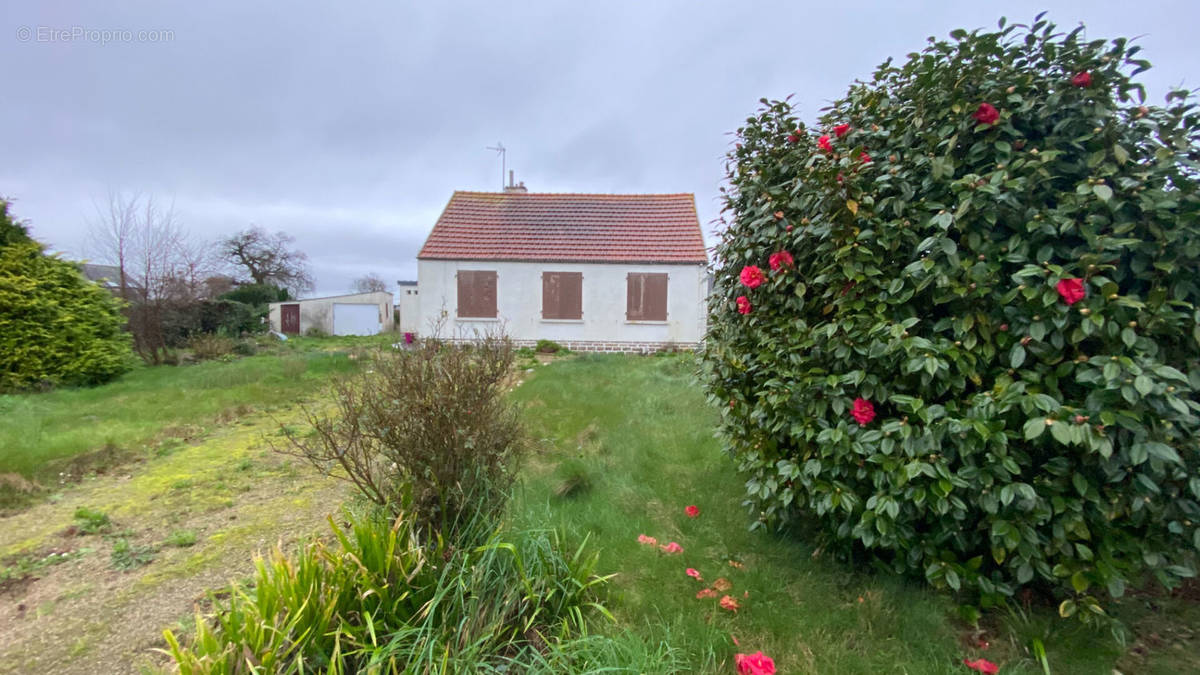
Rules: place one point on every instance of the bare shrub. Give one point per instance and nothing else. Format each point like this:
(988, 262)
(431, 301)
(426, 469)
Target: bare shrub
(210, 346)
(427, 429)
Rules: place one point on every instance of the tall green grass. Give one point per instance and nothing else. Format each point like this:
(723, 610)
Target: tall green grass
(638, 433)
(376, 599)
(39, 431)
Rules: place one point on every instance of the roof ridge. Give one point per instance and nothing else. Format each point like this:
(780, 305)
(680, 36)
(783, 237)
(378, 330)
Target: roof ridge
(577, 194)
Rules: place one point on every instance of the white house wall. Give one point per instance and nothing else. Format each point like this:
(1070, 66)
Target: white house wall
(317, 313)
(410, 309)
(603, 326)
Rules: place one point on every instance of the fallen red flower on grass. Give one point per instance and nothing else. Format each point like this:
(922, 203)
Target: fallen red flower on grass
(983, 666)
(693, 573)
(648, 541)
(693, 511)
(671, 548)
(754, 664)
(729, 603)
(706, 593)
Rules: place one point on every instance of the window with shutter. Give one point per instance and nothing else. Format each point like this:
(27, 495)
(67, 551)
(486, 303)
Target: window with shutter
(646, 297)
(562, 295)
(476, 294)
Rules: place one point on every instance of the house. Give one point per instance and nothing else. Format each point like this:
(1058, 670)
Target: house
(592, 272)
(354, 314)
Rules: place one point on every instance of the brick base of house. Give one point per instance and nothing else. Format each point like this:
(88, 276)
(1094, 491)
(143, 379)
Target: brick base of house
(610, 346)
(622, 347)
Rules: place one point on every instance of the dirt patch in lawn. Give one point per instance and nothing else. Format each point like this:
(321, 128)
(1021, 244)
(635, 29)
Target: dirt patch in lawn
(181, 525)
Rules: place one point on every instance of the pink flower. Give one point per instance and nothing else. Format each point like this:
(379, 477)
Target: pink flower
(824, 144)
(754, 664)
(1083, 79)
(1071, 290)
(841, 130)
(693, 573)
(792, 138)
(706, 593)
(671, 548)
(648, 541)
(862, 412)
(865, 158)
(729, 603)
(692, 511)
(780, 259)
(752, 276)
(986, 114)
(983, 666)
(744, 305)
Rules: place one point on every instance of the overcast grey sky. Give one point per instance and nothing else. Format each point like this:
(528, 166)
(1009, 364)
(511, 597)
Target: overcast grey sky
(348, 125)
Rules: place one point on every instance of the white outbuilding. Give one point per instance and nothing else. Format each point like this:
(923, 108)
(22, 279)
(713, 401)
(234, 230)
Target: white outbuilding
(355, 314)
(592, 272)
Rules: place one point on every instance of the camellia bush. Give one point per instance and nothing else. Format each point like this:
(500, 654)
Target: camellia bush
(955, 326)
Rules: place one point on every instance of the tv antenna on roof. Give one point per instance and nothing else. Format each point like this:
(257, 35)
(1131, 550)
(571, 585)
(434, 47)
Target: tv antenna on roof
(503, 152)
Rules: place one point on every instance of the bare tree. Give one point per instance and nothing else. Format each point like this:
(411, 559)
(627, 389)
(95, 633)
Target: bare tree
(370, 283)
(268, 259)
(161, 267)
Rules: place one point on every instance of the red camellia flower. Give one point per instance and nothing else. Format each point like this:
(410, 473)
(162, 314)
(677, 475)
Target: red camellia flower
(729, 603)
(780, 259)
(671, 548)
(864, 158)
(744, 305)
(986, 114)
(1083, 79)
(754, 664)
(693, 573)
(983, 666)
(792, 138)
(1071, 290)
(752, 276)
(824, 144)
(841, 130)
(648, 541)
(862, 412)
(692, 511)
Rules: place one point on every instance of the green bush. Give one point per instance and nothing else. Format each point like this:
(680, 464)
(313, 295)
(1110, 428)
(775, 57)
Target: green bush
(550, 347)
(257, 294)
(973, 352)
(56, 327)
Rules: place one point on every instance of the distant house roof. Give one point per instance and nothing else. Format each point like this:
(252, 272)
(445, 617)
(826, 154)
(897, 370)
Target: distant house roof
(102, 273)
(553, 227)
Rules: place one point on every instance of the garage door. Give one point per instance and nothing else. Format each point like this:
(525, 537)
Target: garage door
(355, 319)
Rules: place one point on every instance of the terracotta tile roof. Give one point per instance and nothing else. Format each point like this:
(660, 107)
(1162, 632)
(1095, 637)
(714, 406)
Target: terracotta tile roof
(567, 228)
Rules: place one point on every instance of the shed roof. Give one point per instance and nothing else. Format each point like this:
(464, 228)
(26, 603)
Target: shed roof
(567, 227)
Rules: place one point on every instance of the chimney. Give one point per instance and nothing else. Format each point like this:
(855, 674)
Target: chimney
(514, 187)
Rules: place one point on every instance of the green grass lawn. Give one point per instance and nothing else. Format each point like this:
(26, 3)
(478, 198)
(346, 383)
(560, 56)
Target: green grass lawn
(630, 440)
(150, 406)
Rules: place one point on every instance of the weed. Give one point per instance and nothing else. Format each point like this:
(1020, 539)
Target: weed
(550, 347)
(183, 484)
(91, 521)
(126, 556)
(180, 538)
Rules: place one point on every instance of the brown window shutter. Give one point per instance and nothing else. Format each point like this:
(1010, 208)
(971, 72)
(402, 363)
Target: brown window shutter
(646, 297)
(562, 295)
(654, 304)
(633, 297)
(477, 294)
